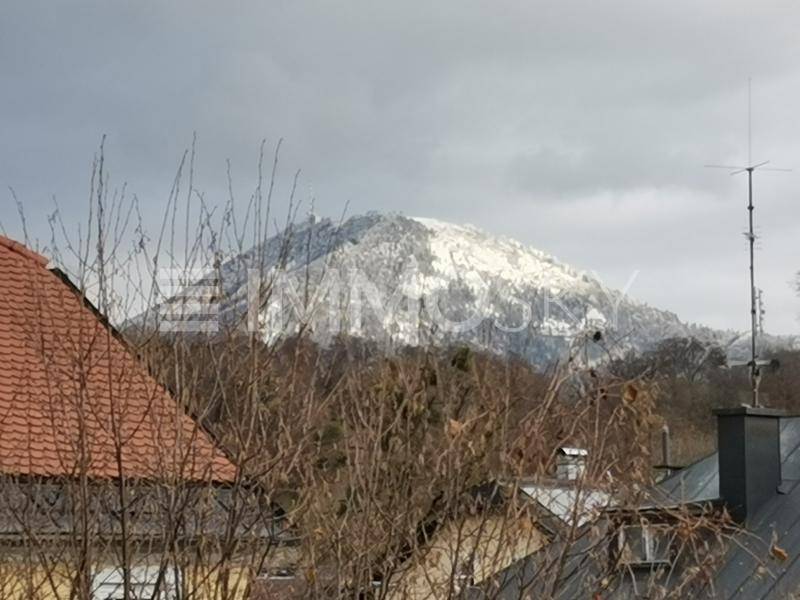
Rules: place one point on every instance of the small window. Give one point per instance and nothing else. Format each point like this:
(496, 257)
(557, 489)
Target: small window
(279, 526)
(280, 529)
(644, 544)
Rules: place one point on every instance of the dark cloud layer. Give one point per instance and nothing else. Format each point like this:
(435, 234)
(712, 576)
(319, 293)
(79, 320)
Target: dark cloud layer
(578, 127)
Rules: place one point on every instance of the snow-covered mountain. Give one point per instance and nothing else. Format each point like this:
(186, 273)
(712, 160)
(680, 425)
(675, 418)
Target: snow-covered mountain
(402, 281)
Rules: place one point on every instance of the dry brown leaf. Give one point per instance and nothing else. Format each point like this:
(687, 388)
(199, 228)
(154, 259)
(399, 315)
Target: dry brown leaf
(778, 552)
(631, 393)
(454, 428)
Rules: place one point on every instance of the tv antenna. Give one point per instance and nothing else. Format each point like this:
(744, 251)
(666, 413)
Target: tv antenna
(754, 364)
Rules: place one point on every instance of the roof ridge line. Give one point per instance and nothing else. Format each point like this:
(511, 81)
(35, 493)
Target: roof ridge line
(23, 250)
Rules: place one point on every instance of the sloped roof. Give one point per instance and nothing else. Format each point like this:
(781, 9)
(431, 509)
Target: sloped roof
(699, 482)
(748, 569)
(71, 393)
(570, 503)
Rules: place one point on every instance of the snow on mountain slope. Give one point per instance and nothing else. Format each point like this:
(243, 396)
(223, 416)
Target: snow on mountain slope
(466, 251)
(401, 281)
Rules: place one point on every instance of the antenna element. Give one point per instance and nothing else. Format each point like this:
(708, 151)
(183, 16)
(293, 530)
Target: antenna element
(756, 306)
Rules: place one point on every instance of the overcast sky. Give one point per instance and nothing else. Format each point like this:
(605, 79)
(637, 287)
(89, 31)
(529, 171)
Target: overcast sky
(580, 128)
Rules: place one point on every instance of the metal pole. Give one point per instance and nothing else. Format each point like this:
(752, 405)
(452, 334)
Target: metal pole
(753, 317)
(666, 454)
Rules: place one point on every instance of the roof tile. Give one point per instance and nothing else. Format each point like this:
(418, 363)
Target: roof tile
(69, 389)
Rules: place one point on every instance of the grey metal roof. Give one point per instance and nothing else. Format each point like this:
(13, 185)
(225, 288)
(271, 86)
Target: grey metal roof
(558, 571)
(748, 570)
(568, 502)
(699, 482)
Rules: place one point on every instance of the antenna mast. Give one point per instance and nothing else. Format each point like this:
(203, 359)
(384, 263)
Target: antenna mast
(755, 297)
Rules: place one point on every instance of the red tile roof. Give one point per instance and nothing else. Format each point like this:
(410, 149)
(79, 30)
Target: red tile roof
(71, 393)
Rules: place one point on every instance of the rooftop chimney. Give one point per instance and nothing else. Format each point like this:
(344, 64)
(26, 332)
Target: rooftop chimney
(570, 463)
(749, 457)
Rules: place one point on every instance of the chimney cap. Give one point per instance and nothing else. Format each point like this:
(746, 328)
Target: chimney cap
(572, 451)
(750, 411)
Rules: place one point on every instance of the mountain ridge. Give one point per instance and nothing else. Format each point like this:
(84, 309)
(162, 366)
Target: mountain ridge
(411, 281)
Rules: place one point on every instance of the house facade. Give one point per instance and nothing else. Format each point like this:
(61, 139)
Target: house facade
(108, 489)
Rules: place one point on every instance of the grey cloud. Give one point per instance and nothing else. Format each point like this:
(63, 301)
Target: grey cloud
(578, 127)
